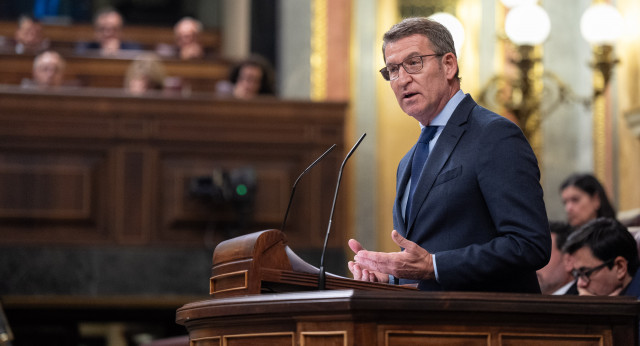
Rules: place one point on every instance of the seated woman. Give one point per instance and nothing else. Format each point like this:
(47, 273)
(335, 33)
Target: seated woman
(584, 199)
(249, 78)
(145, 73)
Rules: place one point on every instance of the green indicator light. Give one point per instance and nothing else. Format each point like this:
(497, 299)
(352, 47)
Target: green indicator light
(241, 189)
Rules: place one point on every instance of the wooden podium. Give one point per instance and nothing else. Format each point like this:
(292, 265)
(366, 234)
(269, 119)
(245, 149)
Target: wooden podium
(262, 262)
(262, 296)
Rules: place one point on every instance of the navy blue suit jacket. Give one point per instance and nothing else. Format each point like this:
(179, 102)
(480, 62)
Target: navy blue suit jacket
(633, 289)
(478, 206)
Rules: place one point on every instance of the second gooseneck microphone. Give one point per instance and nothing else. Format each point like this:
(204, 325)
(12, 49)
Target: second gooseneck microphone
(322, 275)
(293, 189)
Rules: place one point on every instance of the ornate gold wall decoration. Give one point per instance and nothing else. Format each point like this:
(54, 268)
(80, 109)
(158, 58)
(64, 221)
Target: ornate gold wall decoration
(319, 50)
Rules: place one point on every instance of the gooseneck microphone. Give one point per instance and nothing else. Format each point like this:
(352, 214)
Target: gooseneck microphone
(293, 189)
(322, 278)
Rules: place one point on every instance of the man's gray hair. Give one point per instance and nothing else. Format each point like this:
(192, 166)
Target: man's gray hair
(439, 36)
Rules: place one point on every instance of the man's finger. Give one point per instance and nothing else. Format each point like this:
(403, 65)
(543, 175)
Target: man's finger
(401, 241)
(355, 245)
(355, 270)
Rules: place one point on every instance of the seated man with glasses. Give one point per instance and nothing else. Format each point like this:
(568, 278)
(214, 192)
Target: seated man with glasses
(604, 256)
(468, 212)
(108, 24)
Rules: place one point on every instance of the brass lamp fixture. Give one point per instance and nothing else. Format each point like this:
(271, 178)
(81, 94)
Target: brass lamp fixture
(601, 25)
(527, 25)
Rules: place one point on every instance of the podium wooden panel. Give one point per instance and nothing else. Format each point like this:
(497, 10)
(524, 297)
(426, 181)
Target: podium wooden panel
(381, 314)
(358, 317)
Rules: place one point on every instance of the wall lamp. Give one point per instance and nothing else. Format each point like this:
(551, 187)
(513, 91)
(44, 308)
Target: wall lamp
(601, 25)
(527, 26)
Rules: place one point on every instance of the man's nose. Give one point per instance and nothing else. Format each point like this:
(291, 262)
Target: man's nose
(403, 75)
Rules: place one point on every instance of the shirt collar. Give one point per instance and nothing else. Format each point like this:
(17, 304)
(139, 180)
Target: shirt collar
(445, 114)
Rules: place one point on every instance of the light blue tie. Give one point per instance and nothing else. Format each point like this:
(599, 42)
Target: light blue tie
(420, 156)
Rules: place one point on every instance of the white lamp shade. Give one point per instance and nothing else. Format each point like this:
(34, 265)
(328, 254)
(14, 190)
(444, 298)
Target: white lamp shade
(527, 24)
(601, 24)
(515, 3)
(453, 25)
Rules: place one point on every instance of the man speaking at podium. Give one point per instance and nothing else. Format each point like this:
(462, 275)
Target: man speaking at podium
(468, 213)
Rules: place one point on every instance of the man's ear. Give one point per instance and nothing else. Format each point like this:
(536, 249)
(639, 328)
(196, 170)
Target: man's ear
(450, 63)
(620, 266)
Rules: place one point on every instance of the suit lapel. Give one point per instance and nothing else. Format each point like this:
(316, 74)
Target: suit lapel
(449, 138)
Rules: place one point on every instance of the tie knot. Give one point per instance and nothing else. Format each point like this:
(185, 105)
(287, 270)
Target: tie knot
(427, 134)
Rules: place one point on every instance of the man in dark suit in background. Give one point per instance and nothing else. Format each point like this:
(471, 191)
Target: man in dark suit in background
(108, 25)
(472, 218)
(604, 256)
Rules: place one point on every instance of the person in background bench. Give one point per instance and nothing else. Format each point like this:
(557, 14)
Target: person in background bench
(584, 199)
(29, 38)
(48, 71)
(248, 79)
(186, 32)
(146, 73)
(555, 278)
(108, 31)
(187, 45)
(604, 257)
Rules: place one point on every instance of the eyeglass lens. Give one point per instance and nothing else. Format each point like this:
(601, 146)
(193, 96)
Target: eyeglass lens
(411, 65)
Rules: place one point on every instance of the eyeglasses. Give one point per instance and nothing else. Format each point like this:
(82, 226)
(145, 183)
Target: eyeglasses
(411, 65)
(585, 273)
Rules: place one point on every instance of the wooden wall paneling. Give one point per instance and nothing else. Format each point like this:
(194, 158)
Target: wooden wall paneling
(52, 192)
(184, 214)
(138, 154)
(135, 187)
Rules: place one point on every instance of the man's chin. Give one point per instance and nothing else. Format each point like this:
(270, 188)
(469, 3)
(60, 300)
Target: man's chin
(412, 110)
